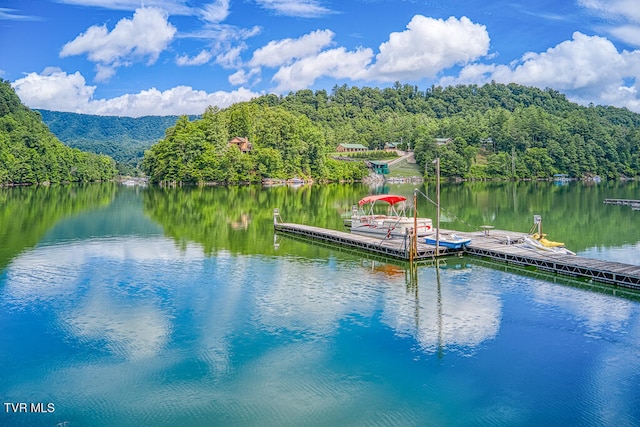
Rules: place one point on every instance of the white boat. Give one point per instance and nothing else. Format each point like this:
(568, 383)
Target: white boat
(395, 223)
(541, 244)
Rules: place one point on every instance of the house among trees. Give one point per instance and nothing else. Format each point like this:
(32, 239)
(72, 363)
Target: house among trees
(351, 148)
(243, 144)
(391, 146)
(443, 141)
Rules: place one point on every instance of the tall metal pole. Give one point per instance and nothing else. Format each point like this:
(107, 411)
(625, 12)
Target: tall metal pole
(438, 206)
(415, 223)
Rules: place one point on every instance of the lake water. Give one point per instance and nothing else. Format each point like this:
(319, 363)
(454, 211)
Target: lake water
(128, 307)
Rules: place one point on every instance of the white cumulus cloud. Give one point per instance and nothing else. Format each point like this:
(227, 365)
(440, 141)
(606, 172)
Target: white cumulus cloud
(241, 77)
(175, 101)
(202, 58)
(585, 68)
(337, 63)
(429, 46)
(281, 52)
(54, 90)
(580, 63)
(59, 91)
(143, 37)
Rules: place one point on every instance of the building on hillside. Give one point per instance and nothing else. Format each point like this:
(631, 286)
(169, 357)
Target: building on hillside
(391, 146)
(379, 167)
(351, 148)
(443, 141)
(487, 144)
(243, 144)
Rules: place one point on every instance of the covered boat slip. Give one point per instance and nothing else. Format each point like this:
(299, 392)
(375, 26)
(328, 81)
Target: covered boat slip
(499, 245)
(366, 219)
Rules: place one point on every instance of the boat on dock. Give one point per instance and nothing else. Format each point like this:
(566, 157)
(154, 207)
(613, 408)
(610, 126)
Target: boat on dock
(538, 241)
(451, 241)
(395, 223)
(541, 243)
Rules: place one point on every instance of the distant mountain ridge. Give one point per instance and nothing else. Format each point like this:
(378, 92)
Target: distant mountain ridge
(123, 138)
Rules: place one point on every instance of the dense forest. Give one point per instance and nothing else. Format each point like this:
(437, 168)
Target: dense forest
(125, 139)
(285, 144)
(494, 131)
(31, 154)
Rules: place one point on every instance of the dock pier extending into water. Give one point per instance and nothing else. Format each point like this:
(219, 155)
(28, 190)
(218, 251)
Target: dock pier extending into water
(635, 204)
(498, 245)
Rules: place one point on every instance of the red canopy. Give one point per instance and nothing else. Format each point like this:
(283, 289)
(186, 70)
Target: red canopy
(389, 198)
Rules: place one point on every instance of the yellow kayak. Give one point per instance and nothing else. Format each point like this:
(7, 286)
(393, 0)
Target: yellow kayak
(547, 243)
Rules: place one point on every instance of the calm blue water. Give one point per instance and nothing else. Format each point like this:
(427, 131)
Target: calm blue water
(128, 327)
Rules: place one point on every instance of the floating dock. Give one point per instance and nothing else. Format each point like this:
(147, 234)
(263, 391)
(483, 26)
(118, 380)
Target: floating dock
(499, 245)
(635, 204)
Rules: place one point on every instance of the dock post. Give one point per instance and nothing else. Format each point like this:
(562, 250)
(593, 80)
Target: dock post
(276, 215)
(537, 220)
(437, 162)
(414, 246)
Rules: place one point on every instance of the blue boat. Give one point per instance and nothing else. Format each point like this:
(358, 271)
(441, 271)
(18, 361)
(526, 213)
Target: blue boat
(452, 241)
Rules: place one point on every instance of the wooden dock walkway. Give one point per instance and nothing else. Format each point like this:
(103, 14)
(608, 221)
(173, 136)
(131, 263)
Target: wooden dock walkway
(499, 245)
(615, 273)
(635, 204)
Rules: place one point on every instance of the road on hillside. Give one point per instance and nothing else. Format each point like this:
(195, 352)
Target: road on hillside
(408, 156)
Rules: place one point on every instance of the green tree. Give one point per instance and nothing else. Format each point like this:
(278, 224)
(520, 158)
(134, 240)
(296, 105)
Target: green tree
(31, 154)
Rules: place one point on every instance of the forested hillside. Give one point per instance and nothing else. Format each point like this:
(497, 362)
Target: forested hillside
(123, 138)
(31, 154)
(495, 131)
(284, 145)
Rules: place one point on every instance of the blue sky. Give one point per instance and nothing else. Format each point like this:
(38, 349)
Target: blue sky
(160, 57)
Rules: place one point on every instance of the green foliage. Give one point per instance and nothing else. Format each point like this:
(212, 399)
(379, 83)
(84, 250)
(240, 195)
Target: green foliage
(496, 131)
(507, 121)
(31, 154)
(284, 144)
(521, 132)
